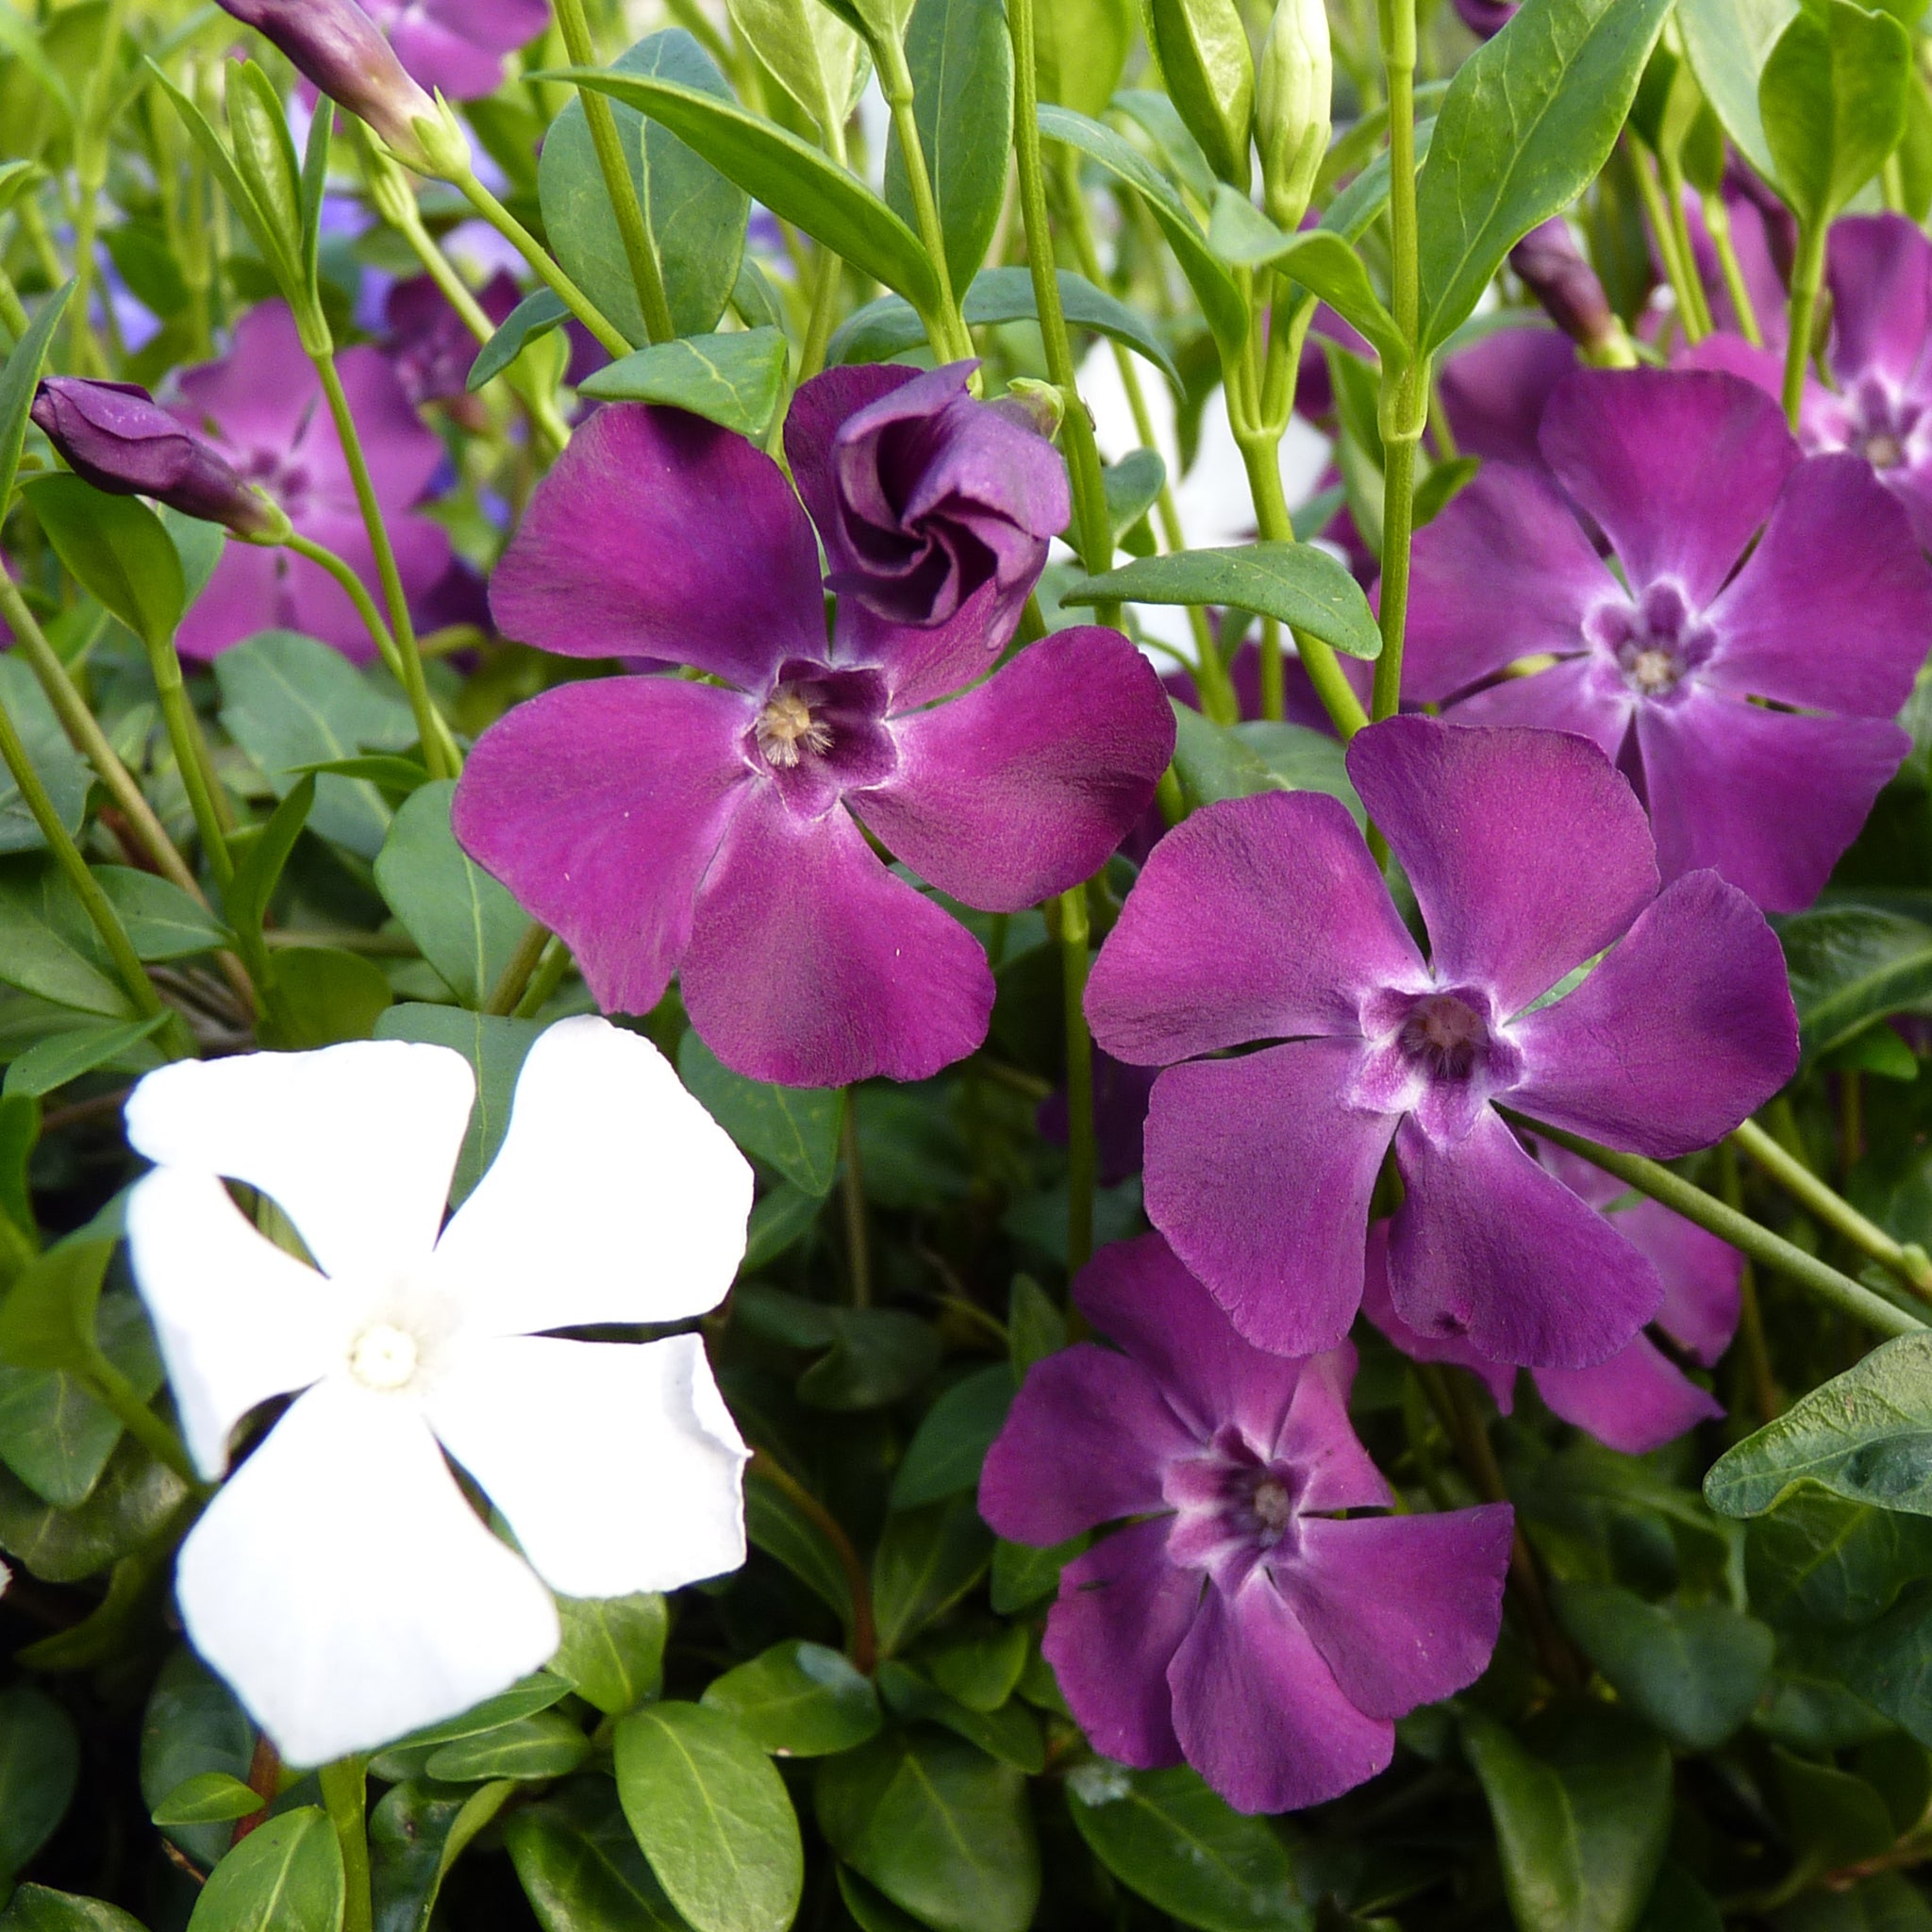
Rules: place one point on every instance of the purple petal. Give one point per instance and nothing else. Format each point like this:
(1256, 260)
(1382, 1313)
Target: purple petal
(1837, 561)
(1495, 391)
(659, 535)
(1259, 1173)
(1403, 1609)
(317, 605)
(818, 408)
(1879, 270)
(1679, 467)
(244, 595)
(1083, 1444)
(1379, 1305)
(1702, 1277)
(1527, 851)
(1257, 1712)
(1719, 776)
(1022, 788)
(1257, 919)
(925, 661)
(1575, 695)
(1675, 1037)
(1764, 369)
(1123, 1611)
(1505, 571)
(1318, 1439)
(1633, 1403)
(600, 804)
(811, 965)
(402, 451)
(257, 398)
(1489, 1245)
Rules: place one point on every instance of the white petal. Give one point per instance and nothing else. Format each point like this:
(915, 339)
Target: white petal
(616, 1464)
(237, 1319)
(616, 1197)
(345, 1588)
(355, 1143)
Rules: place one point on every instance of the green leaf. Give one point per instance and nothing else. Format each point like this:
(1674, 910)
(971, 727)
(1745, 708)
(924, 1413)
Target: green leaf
(1582, 1809)
(734, 380)
(162, 921)
(63, 1056)
(927, 1560)
(695, 217)
(788, 176)
(871, 1909)
(47, 1319)
(889, 326)
(495, 1047)
(210, 1797)
(134, 1498)
(798, 1699)
(545, 1745)
(466, 924)
(19, 379)
(57, 765)
(1728, 43)
(285, 1876)
(1528, 120)
(1851, 965)
(1214, 288)
(259, 869)
(796, 1129)
(938, 1826)
(192, 1725)
(1010, 1733)
(1212, 762)
(1835, 1818)
(1865, 1435)
(533, 316)
(1814, 1558)
(1295, 582)
(581, 1869)
(1165, 1835)
(289, 701)
(712, 1816)
(1021, 1576)
(47, 945)
(1299, 760)
(265, 155)
(1889, 1663)
(950, 1444)
(809, 52)
(613, 1653)
(1318, 259)
(779, 1218)
(982, 1670)
(775, 1525)
(116, 548)
(1832, 98)
(1035, 1325)
(961, 61)
(323, 994)
(1888, 1902)
(1694, 1671)
(1080, 49)
(39, 1908)
(523, 1699)
(1132, 487)
(409, 1834)
(40, 1766)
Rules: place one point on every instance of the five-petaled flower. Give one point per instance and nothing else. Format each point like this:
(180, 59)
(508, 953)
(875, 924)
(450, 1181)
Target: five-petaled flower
(719, 829)
(1263, 922)
(341, 1580)
(1711, 669)
(1239, 1620)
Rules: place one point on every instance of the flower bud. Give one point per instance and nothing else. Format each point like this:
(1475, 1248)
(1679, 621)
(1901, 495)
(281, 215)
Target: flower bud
(116, 436)
(1201, 46)
(1485, 19)
(1292, 107)
(1554, 271)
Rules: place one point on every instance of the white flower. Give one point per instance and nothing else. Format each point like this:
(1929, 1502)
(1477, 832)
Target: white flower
(341, 1580)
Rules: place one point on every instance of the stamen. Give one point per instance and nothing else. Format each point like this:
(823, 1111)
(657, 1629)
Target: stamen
(1445, 1033)
(383, 1358)
(1274, 1506)
(786, 729)
(1654, 670)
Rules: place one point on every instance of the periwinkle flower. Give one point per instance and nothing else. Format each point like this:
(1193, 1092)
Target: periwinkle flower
(1485, 19)
(718, 829)
(341, 1580)
(1240, 1620)
(262, 407)
(1767, 616)
(1555, 272)
(429, 345)
(456, 48)
(1262, 923)
(115, 436)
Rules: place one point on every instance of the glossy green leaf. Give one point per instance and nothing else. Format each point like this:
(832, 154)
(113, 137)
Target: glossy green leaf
(961, 60)
(613, 1653)
(812, 53)
(495, 1047)
(1036, 1325)
(983, 1669)
(1851, 965)
(134, 1498)
(1527, 121)
(780, 1217)
(409, 1832)
(319, 995)
(775, 1525)
(950, 1444)
(1835, 1818)
(545, 1745)
(47, 1319)
(56, 763)
(1009, 1734)
(798, 1699)
(713, 1818)
(796, 1129)
(1318, 259)
(1164, 1834)
(581, 1869)
(40, 1908)
(192, 1725)
(1295, 582)
(1886, 1902)
(47, 945)
(208, 1797)
(40, 1766)
(533, 317)
(285, 1876)
(19, 377)
(1889, 1663)
(1174, 147)
(162, 921)
(1202, 51)
(1080, 50)
(871, 1909)
(1815, 1558)
(1728, 43)
(63, 1056)
(927, 1560)
(734, 380)
(116, 548)
(524, 1699)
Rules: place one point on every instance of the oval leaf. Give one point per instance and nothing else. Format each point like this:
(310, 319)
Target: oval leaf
(285, 1876)
(734, 380)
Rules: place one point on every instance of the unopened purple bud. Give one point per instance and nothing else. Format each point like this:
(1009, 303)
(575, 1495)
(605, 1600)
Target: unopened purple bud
(1554, 271)
(116, 436)
(1485, 19)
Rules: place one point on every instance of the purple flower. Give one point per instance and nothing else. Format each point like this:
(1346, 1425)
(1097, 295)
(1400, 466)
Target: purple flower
(263, 408)
(1485, 19)
(1710, 669)
(1238, 1622)
(1263, 922)
(1638, 1399)
(456, 48)
(714, 829)
(1494, 391)
(430, 346)
(119, 439)
(1553, 270)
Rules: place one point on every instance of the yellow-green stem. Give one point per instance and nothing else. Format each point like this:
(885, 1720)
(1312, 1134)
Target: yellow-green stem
(547, 979)
(1697, 318)
(1678, 273)
(527, 244)
(896, 82)
(345, 1797)
(1083, 1157)
(1808, 272)
(214, 817)
(515, 978)
(1717, 223)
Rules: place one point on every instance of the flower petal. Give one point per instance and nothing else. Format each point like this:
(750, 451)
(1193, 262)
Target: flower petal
(1318, 1439)
(1123, 1611)
(1255, 919)
(1259, 1171)
(345, 1588)
(1024, 784)
(1084, 1444)
(1379, 1305)
(1260, 1715)
(1633, 1403)
(261, 396)
(1489, 1245)
(1503, 572)
(811, 426)
(813, 966)
(616, 1464)
(1675, 1035)
(402, 452)
(1527, 851)
(244, 595)
(320, 608)
(355, 1143)
(1879, 270)
(615, 1196)
(600, 805)
(1496, 391)
(1678, 466)
(1702, 1277)
(1403, 1609)
(237, 1319)
(1576, 695)
(659, 535)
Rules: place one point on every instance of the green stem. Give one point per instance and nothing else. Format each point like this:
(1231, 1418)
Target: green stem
(213, 817)
(527, 244)
(852, 1199)
(1910, 1264)
(12, 313)
(1698, 322)
(549, 976)
(1808, 272)
(896, 82)
(345, 1795)
(1758, 1377)
(1398, 528)
(515, 978)
(1818, 1279)
(123, 1399)
(825, 309)
(618, 182)
(1663, 232)
(439, 748)
(1274, 692)
(1717, 221)
(355, 590)
(1083, 1159)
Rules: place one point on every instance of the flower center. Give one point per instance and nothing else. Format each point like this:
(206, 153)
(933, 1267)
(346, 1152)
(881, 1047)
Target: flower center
(787, 729)
(384, 1358)
(1880, 424)
(1654, 642)
(1446, 1036)
(1234, 1504)
(1274, 1508)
